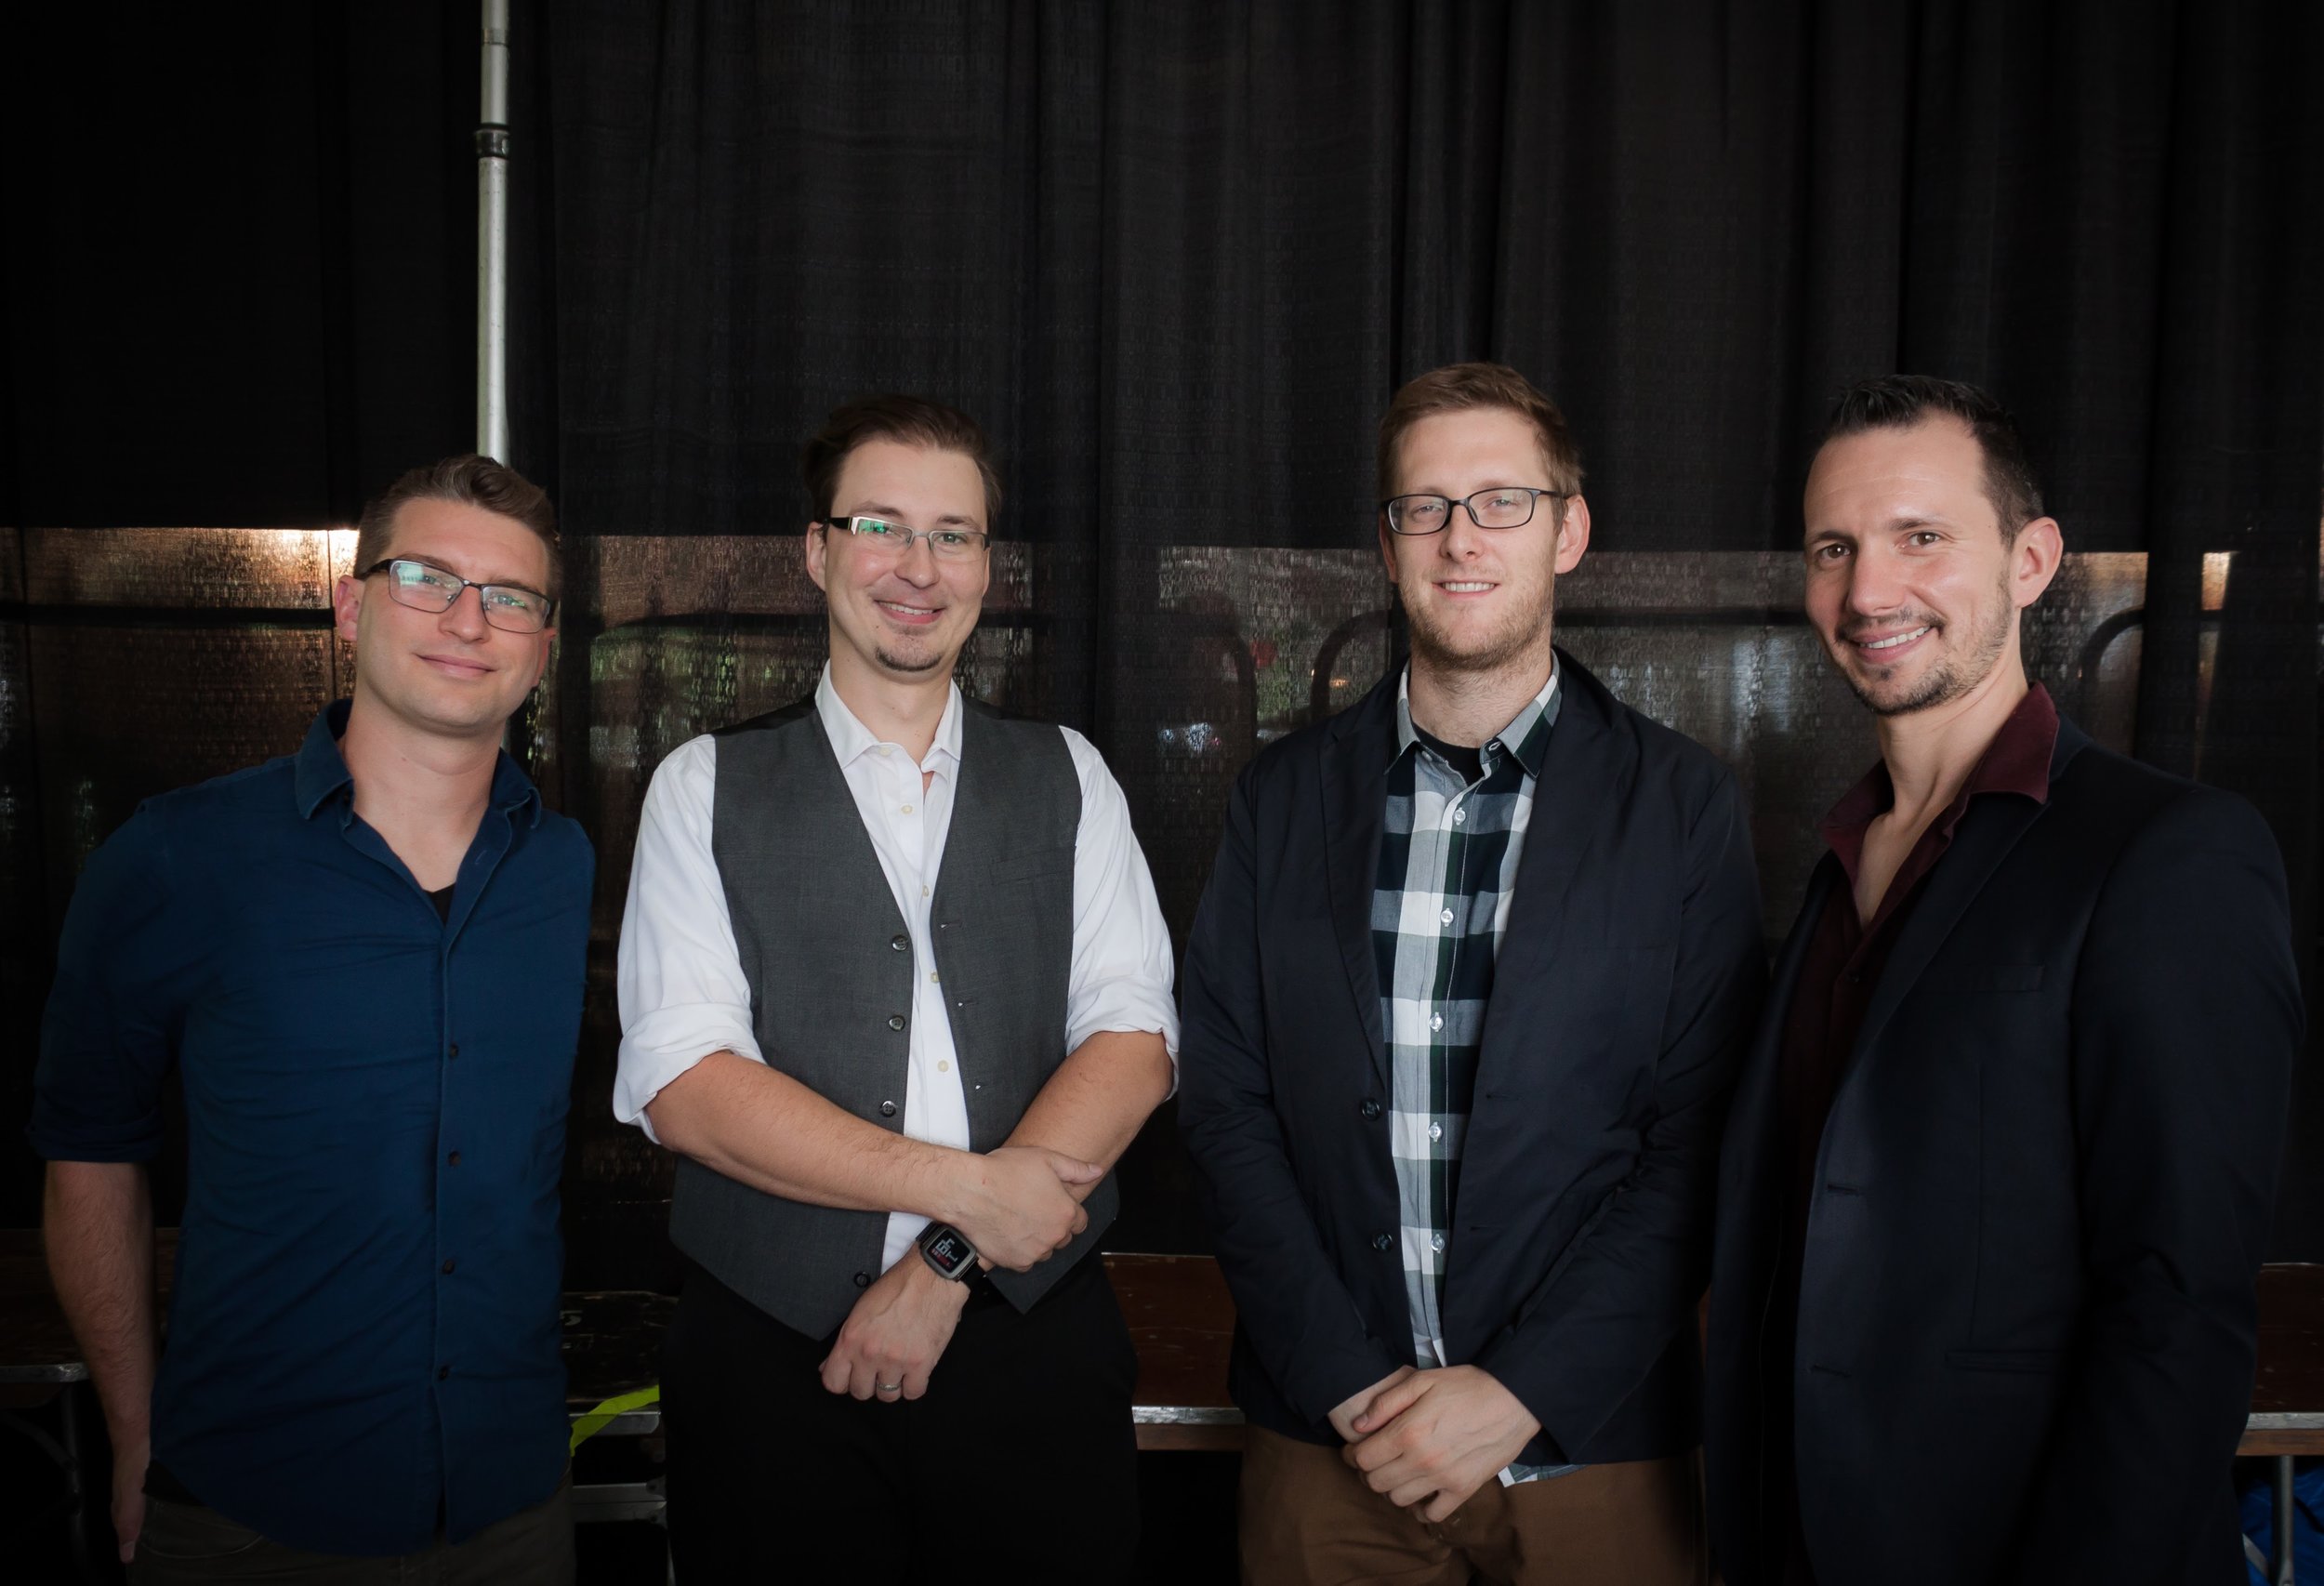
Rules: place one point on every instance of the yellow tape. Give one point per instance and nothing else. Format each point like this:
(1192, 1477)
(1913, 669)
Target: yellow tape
(587, 1426)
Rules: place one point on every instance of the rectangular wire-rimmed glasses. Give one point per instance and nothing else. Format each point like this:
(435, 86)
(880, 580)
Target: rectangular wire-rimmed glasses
(895, 539)
(509, 607)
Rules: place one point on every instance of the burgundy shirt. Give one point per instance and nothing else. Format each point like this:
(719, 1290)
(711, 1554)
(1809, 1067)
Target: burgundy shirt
(1842, 969)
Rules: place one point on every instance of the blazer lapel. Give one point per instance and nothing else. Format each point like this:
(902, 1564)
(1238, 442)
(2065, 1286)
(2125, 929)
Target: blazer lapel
(1355, 766)
(1987, 832)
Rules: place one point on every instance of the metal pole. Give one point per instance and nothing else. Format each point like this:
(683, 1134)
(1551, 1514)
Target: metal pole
(492, 240)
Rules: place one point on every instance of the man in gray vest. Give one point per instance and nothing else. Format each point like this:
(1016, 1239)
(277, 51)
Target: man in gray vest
(895, 986)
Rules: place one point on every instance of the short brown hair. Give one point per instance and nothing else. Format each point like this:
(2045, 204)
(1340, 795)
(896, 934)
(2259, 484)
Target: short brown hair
(472, 480)
(914, 421)
(1900, 402)
(1458, 388)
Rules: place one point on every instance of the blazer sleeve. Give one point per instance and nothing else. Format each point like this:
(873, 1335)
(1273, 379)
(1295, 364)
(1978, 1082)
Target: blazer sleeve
(1593, 1328)
(1296, 1310)
(2186, 1022)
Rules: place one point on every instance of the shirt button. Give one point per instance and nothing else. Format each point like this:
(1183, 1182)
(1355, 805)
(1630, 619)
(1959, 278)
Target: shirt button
(1436, 1242)
(1383, 1242)
(907, 809)
(886, 1109)
(1435, 1020)
(863, 1280)
(1370, 1107)
(943, 1065)
(900, 942)
(1444, 917)
(454, 1159)
(456, 1048)
(923, 892)
(442, 1372)
(1460, 815)
(895, 1021)
(1436, 1131)
(931, 977)
(448, 1265)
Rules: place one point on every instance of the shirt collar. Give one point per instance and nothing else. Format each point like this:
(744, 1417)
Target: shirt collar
(320, 771)
(1526, 736)
(2017, 761)
(850, 738)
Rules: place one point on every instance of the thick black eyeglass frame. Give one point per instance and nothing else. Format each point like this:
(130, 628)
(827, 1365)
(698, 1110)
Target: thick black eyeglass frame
(1534, 494)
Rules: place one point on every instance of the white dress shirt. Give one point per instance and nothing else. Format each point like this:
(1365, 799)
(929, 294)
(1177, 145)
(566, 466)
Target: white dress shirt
(684, 992)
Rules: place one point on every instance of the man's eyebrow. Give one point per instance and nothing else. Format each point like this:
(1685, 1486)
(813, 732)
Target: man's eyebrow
(877, 510)
(500, 582)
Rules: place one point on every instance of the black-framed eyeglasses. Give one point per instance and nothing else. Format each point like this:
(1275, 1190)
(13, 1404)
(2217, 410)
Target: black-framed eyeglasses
(1503, 507)
(895, 539)
(510, 607)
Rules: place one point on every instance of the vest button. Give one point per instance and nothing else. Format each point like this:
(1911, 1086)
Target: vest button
(900, 942)
(1383, 1242)
(895, 1021)
(863, 1280)
(1370, 1107)
(886, 1109)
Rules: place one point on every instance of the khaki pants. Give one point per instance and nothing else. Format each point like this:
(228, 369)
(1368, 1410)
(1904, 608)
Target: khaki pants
(1308, 1520)
(184, 1544)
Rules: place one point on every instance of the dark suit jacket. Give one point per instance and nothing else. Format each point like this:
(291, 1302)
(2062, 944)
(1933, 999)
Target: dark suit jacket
(2026, 1320)
(1627, 981)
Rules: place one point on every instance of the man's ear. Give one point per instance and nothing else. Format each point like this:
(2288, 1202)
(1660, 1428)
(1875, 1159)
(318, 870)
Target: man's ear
(2033, 559)
(1573, 535)
(818, 546)
(347, 605)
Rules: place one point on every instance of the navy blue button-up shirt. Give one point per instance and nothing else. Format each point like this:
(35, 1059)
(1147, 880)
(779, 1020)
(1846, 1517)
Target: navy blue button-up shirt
(364, 1332)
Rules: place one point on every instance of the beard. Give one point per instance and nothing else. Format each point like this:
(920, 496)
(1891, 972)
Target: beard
(927, 660)
(1950, 678)
(1489, 652)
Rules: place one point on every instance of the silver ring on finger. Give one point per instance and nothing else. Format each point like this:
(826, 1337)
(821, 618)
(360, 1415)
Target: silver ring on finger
(887, 1387)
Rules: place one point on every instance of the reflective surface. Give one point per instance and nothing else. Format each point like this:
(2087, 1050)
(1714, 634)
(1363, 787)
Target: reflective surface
(136, 660)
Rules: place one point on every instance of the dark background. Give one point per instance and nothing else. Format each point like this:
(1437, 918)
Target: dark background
(1176, 256)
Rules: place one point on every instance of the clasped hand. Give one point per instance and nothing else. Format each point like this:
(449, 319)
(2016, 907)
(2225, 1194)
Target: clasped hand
(1017, 1205)
(1432, 1438)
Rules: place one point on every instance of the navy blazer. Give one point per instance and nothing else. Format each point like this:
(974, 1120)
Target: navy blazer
(1626, 982)
(2026, 1318)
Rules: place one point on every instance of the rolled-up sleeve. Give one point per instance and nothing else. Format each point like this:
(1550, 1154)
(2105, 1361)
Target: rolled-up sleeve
(1122, 964)
(684, 992)
(108, 1036)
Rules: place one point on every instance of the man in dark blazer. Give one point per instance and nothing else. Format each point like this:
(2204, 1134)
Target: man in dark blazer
(1997, 1177)
(1462, 1003)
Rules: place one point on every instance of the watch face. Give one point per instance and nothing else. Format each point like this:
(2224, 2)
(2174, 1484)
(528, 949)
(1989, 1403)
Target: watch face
(950, 1251)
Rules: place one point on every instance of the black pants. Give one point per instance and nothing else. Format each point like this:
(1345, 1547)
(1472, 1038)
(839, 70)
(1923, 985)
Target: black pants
(1019, 1463)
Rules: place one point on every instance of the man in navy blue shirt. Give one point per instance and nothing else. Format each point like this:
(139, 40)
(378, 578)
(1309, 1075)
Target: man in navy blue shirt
(365, 961)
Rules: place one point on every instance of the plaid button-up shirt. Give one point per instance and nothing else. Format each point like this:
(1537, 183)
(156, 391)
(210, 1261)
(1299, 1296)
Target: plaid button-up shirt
(1447, 869)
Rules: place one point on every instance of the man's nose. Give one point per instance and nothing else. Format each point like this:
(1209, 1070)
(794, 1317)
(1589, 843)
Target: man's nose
(465, 616)
(1874, 584)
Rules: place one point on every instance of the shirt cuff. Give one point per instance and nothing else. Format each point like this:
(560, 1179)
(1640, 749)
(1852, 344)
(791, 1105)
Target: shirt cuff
(666, 1043)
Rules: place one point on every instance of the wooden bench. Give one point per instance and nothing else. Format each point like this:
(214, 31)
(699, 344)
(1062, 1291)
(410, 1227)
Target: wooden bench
(1181, 1317)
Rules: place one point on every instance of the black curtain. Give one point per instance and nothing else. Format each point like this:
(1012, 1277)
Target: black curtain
(1176, 257)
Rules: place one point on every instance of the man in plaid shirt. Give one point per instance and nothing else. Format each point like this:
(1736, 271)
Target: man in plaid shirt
(1462, 1004)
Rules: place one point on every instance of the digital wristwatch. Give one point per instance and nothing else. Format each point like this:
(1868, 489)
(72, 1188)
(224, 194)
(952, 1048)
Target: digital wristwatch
(947, 1251)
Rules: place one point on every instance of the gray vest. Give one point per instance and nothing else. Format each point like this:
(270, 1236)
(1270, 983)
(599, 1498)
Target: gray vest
(830, 971)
